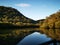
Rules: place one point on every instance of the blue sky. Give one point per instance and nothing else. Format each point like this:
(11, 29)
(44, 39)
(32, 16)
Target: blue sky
(34, 9)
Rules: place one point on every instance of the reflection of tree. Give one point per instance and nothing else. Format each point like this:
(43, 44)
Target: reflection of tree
(13, 36)
(58, 34)
(53, 33)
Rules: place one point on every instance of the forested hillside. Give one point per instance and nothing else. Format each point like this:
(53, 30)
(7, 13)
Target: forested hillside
(53, 21)
(13, 16)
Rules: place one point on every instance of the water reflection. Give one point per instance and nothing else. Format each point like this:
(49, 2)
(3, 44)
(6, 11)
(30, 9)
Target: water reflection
(13, 36)
(53, 33)
(34, 39)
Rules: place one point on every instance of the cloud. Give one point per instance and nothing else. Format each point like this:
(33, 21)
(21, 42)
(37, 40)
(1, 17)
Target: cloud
(23, 5)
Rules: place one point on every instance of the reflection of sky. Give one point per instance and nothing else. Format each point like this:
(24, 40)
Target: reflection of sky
(35, 9)
(34, 39)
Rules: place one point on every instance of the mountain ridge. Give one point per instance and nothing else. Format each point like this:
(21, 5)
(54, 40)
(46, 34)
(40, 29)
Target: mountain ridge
(12, 15)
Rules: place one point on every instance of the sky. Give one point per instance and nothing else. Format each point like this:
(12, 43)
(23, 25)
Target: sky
(34, 9)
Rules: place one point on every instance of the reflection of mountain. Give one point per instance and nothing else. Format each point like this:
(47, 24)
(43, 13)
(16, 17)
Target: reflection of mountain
(53, 33)
(13, 16)
(13, 36)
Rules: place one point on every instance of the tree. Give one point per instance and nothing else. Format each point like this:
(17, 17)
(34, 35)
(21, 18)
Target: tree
(57, 24)
(19, 23)
(44, 25)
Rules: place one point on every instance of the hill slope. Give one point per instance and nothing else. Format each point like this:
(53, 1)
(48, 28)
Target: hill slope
(53, 21)
(13, 16)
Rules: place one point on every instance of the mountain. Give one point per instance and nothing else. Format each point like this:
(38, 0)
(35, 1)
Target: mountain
(53, 21)
(41, 20)
(13, 16)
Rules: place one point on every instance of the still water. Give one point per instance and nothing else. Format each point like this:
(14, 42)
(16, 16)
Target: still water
(34, 39)
(28, 36)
